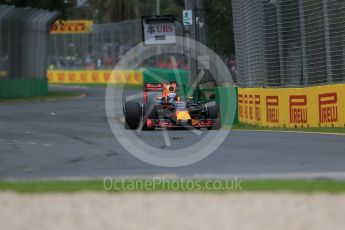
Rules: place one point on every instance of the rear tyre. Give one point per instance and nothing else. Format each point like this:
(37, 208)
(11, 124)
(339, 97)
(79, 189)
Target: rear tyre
(132, 114)
(213, 112)
(149, 113)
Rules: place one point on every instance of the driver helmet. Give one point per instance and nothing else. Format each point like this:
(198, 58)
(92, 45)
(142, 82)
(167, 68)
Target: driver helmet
(171, 97)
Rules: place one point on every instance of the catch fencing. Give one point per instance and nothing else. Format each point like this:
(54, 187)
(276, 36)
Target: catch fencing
(289, 43)
(24, 34)
(24, 43)
(103, 46)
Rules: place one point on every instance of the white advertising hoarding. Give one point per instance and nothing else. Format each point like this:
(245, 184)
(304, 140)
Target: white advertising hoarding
(159, 33)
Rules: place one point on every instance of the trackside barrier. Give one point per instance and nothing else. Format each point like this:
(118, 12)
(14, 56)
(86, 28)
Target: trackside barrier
(136, 77)
(23, 87)
(24, 38)
(95, 76)
(226, 97)
(3, 74)
(319, 106)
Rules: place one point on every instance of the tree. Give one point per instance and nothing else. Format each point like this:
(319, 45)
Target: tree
(220, 26)
(105, 11)
(62, 6)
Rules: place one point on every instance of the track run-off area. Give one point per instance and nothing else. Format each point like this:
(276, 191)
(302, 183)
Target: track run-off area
(72, 138)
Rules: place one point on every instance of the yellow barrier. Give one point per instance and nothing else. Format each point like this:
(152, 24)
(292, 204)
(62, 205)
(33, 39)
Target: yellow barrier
(3, 74)
(320, 106)
(72, 27)
(95, 76)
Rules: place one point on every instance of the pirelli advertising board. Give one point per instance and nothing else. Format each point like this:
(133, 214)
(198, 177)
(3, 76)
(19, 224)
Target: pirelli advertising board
(133, 77)
(320, 106)
(72, 27)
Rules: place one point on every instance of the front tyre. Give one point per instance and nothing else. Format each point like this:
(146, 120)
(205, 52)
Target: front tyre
(132, 114)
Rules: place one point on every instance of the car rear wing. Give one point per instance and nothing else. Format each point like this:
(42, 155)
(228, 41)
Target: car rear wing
(149, 87)
(156, 87)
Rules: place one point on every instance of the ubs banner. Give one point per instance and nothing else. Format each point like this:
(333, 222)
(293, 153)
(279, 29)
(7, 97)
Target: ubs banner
(320, 106)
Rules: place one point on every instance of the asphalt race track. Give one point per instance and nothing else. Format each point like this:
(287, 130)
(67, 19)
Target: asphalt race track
(72, 138)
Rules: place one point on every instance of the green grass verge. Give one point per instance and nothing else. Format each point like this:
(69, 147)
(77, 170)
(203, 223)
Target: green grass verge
(243, 126)
(49, 96)
(142, 185)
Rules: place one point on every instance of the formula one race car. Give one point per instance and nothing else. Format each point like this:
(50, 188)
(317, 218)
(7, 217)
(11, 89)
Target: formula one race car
(169, 110)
